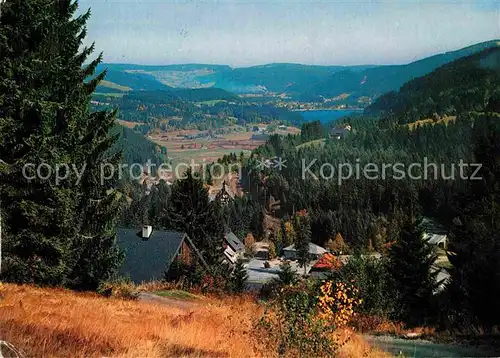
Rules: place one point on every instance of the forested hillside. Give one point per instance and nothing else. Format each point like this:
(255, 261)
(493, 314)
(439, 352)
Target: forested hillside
(373, 82)
(192, 108)
(447, 171)
(276, 77)
(361, 188)
(361, 84)
(136, 148)
(134, 80)
(468, 84)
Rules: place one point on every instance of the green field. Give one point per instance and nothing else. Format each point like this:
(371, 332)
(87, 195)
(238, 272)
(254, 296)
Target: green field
(115, 86)
(318, 142)
(177, 294)
(212, 102)
(110, 94)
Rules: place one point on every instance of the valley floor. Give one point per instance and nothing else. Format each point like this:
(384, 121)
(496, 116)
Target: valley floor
(56, 322)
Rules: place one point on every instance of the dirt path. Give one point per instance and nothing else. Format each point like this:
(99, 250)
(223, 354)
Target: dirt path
(171, 302)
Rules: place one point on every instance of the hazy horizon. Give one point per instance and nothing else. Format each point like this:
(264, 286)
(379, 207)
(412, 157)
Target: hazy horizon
(243, 33)
(289, 63)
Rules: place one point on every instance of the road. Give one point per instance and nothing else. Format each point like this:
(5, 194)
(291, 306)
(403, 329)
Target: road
(419, 348)
(258, 274)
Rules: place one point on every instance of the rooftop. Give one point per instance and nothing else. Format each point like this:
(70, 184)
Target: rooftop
(148, 259)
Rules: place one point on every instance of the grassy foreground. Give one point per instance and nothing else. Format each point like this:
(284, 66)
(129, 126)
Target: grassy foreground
(62, 323)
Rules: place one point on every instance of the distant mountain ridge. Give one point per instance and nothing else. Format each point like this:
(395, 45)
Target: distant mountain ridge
(354, 84)
(373, 82)
(468, 84)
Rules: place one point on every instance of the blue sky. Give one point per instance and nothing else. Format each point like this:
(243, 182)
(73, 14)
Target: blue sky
(242, 33)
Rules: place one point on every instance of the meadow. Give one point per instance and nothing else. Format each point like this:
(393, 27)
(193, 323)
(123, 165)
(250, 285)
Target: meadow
(44, 322)
(192, 144)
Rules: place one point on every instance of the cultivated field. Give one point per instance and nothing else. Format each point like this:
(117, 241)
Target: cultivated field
(206, 148)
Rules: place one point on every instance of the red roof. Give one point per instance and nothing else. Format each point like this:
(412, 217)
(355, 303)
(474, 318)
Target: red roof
(327, 261)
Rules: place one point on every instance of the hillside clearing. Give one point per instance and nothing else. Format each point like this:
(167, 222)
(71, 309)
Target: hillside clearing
(115, 86)
(314, 143)
(445, 120)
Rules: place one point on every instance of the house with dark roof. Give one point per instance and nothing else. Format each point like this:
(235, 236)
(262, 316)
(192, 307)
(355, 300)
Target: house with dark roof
(234, 248)
(434, 233)
(315, 252)
(438, 240)
(149, 253)
(338, 133)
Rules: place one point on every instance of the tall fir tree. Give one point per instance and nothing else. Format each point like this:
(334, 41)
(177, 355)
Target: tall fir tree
(412, 278)
(474, 249)
(57, 232)
(191, 211)
(239, 276)
(302, 227)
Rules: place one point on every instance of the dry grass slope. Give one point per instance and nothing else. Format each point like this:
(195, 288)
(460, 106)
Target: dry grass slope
(62, 323)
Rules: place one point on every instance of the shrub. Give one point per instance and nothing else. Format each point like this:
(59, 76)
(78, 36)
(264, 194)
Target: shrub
(119, 288)
(238, 277)
(338, 245)
(270, 289)
(294, 326)
(337, 301)
(272, 251)
(371, 278)
(250, 249)
(287, 275)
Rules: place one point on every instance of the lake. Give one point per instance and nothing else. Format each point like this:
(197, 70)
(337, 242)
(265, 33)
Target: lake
(329, 115)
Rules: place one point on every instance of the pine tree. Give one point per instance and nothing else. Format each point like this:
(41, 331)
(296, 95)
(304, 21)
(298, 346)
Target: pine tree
(286, 274)
(239, 277)
(58, 233)
(191, 211)
(475, 239)
(412, 278)
(302, 227)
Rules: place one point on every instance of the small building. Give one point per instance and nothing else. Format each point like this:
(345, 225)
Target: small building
(434, 233)
(234, 248)
(439, 240)
(338, 133)
(315, 252)
(150, 254)
(326, 264)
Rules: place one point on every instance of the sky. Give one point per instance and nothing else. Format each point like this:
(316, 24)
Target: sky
(245, 33)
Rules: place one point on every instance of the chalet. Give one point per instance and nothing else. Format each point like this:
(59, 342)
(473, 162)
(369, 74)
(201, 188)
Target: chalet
(234, 248)
(149, 254)
(315, 252)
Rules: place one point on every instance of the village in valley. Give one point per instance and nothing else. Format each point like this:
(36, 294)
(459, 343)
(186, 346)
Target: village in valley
(254, 179)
